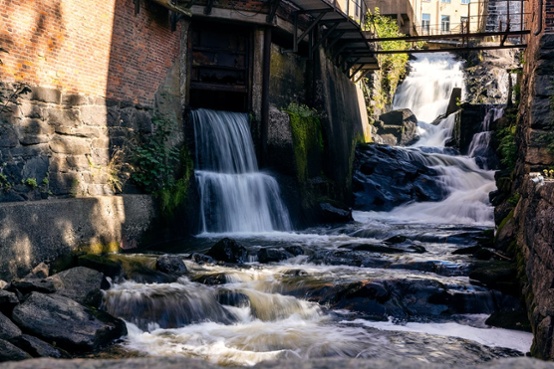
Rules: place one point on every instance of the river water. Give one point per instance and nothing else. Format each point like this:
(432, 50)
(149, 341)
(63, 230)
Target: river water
(389, 284)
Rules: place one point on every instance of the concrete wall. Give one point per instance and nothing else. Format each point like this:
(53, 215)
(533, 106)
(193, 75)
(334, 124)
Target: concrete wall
(37, 231)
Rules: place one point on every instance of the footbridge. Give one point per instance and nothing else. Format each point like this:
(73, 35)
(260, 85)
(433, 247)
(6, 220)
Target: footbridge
(341, 27)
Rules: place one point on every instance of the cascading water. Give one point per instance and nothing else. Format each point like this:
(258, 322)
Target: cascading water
(234, 195)
(426, 91)
(333, 291)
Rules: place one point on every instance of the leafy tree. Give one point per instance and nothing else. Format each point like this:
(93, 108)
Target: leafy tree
(393, 66)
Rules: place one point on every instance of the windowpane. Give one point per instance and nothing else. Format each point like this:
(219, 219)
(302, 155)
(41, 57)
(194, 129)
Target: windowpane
(425, 22)
(445, 23)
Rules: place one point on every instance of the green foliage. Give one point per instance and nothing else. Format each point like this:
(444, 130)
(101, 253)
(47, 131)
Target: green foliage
(307, 136)
(31, 182)
(393, 66)
(161, 168)
(548, 173)
(507, 149)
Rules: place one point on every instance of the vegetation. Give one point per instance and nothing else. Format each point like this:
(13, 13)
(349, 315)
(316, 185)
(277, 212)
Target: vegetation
(307, 136)
(507, 149)
(393, 66)
(160, 168)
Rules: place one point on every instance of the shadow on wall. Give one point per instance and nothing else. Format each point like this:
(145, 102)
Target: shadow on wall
(37, 231)
(94, 69)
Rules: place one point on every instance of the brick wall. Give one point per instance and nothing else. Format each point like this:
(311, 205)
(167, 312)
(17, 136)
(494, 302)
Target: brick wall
(91, 47)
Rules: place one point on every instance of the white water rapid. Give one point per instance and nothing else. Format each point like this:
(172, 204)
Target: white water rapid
(426, 91)
(390, 285)
(234, 195)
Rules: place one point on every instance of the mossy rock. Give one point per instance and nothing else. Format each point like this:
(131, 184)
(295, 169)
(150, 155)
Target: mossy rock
(498, 275)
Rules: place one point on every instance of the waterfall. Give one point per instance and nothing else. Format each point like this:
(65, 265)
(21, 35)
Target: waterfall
(426, 91)
(234, 195)
(479, 148)
(427, 88)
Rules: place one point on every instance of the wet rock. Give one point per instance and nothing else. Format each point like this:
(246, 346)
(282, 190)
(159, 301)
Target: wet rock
(233, 298)
(295, 250)
(202, 259)
(8, 329)
(171, 264)
(80, 284)
(229, 251)
(334, 214)
(386, 177)
(73, 327)
(109, 268)
(269, 254)
(211, 279)
(373, 248)
(10, 352)
(498, 275)
(350, 258)
(38, 348)
(516, 319)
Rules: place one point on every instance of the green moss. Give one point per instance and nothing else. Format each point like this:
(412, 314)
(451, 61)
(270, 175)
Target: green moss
(307, 137)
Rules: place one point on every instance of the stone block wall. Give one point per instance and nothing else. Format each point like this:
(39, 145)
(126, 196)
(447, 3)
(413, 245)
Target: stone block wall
(534, 214)
(97, 73)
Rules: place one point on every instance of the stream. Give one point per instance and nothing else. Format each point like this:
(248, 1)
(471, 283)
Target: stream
(391, 283)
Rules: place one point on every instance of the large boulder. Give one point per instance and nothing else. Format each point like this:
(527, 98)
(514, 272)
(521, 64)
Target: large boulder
(386, 177)
(171, 264)
(72, 326)
(80, 284)
(398, 127)
(229, 251)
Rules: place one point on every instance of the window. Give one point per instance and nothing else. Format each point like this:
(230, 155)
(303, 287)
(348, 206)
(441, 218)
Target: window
(445, 1)
(465, 2)
(425, 22)
(445, 23)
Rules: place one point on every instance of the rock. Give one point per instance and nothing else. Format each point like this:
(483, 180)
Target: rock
(41, 271)
(498, 275)
(232, 298)
(229, 251)
(211, 279)
(171, 264)
(385, 177)
(8, 330)
(80, 284)
(399, 126)
(38, 348)
(271, 254)
(9, 352)
(102, 264)
(7, 300)
(3, 284)
(27, 285)
(72, 326)
(202, 259)
(334, 214)
(295, 250)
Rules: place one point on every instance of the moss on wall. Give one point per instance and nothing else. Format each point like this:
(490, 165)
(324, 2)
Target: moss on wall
(307, 139)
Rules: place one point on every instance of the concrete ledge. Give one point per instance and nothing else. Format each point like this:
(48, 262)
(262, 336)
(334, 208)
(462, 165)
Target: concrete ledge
(32, 232)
